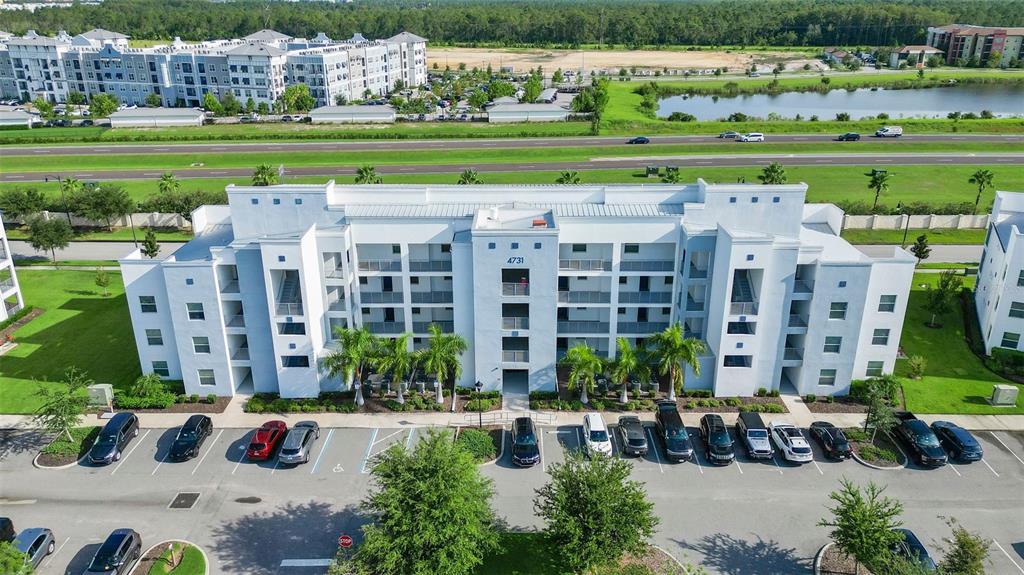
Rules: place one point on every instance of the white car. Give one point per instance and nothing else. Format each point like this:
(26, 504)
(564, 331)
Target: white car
(791, 442)
(752, 137)
(595, 435)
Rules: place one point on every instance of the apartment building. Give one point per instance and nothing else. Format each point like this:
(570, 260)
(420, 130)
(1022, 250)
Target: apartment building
(10, 291)
(999, 291)
(523, 273)
(965, 41)
(258, 66)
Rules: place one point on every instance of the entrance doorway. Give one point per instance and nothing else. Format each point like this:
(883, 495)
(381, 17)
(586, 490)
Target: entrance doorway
(515, 389)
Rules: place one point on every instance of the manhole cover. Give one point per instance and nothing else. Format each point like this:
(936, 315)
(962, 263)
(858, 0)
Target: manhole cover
(184, 500)
(248, 500)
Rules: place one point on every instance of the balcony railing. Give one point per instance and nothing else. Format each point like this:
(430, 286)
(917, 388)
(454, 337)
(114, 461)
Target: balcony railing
(12, 307)
(583, 327)
(515, 356)
(385, 326)
(515, 289)
(803, 286)
(743, 308)
(514, 323)
(380, 265)
(793, 354)
(289, 309)
(796, 320)
(336, 273)
(646, 265)
(230, 287)
(6, 284)
(584, 297)
(238, 320)
(642, 327)
(381, 297)
(645, 297)
(432, 297)
(336, 305)
(424, 326)
(430, 265)
(697, 273)
(694, 305)
(241, 353)
(585, 265)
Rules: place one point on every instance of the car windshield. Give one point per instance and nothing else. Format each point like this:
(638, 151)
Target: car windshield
(106, 440)
(757, 434)
(598, 436)
(676, 433)
(187, 434)
(526, 439)
(637, 442)
(105, 557)
(792, 432)
(928, 440)
(289, 451)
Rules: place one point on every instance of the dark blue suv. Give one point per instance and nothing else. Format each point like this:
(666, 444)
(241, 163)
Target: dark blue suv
(114, 437)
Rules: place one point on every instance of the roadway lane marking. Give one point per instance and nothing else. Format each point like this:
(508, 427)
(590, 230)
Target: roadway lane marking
(41, 151)
(131, 451)
(369, 450)
(1000, 547)
(323, 448)
(50, 559)
(218, 173)
(996, 437)
(654, 447)
(83, 175)
(203, 458)
(306, 562)
(990, 467)
(15, 177)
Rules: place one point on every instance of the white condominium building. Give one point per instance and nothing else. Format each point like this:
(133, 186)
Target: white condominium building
(999, 292)
(259, 66)
(523, 273)
(10, 291)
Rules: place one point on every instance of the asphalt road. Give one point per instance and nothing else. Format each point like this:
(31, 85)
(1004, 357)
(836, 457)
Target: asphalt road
(354, 145)
(607, 163)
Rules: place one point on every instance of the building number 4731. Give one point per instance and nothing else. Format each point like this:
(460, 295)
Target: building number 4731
(516, 260)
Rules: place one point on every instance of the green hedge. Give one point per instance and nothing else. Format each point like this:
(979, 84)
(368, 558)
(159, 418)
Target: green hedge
(17, 315)
(414, 402)
(477, 442)
(161, 400)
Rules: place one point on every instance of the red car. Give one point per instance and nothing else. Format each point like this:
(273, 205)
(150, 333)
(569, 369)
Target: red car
(265, 440)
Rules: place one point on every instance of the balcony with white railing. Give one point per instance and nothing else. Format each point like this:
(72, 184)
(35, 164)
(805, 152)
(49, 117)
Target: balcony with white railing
(289, 309)
(583, 327)
(645, 297)
(12, 307)
(335, 273)
(641, 327)
(515, 289)
(336, 305)
(583, 297)
(230, 287)
(793, 354)
(237, 320)
(446, 326)
(584, 265)
(515, 323)
(430, 265)
(693, 305)
(240, 354)
(371, 297)
(433, 297)
(697, 273)
(384, 327)
(646, 265)
(380, 265)
(797, 320)
(743, 308)
(801, 286)
(520, 356)
(6, 284)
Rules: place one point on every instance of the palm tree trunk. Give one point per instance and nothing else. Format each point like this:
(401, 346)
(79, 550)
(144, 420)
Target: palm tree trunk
(583, 395)
(359, 388)
(440, 392)
(672, 386)
(624, 394)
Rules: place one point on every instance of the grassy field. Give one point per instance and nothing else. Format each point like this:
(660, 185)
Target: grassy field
(79, 328)
(65, 263)
(935, 237)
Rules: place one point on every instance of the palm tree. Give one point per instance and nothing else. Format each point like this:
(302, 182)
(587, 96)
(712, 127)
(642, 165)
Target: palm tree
(982, 179)
(264, 175)
(674, 351)
(443, 357)
(879, 183)
(628, 361)
(568, 177)
(773, 173)
(469, 177)
(670, 177)
(358, 346)
(367, 175)
(584, 367)
(396, 359)
(168, 183)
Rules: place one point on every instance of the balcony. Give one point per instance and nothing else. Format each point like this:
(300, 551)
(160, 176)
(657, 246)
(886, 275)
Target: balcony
(743, 308)
(230, 287)
(797, 320)
(521, 356)
(336, 305)
(803, 286)
(583, 327)
(289, 309)
(381, 297)
(430, 266)
(646, 265)
(424, 326)
(515, 323)
(793, 354)
(385, 327)
(240, 354)
(380, 266)
(697, 273)
(515, 289)
(584, 297)
(585, 265)
(642, 327)
(6, 284)
(238, 320)
(336, 273)
(432, 297)
(645, 297)
(694, 305)
(12, 307)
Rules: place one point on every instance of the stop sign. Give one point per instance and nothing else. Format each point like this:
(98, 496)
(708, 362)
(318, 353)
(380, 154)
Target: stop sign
(345, 541)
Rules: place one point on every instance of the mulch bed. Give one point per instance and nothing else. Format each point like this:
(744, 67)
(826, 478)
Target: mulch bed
(882, 441)
(839, 405)
(682, 401)
(834, 562)
(9, 330)
(201, 407)
(52, 460)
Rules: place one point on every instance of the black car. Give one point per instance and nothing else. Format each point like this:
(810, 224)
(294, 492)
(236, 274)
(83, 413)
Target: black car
(716, 439)
(118, 553)
(190, 438)
(525, 451)
(911, 549)
(848, 137)
(832, 440)
(639, 140)
(631, 432)
(114, 438)
(673, 432)
(961, 445)
(6, 529)
(921, 440)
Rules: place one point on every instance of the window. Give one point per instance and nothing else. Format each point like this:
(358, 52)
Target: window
(1020, 277)
(195, 311)
(623, 280)
(189, 281)
(1016, 309)
(631, 248)
(298, 201)
(776, 199)
(160, 368)
(148, 303)
(750, 257)
(880, 337)
(154, 337)
(874, 369)
(579, 248)
(294, 361)
(887, 303)
(837, 310)
(827, 377)
(255, 201)
(364, 280)
(842, 283)
(490, 246)
(622, 311)
(732, 199)
(753, 200)
(396, 249)
(536, 245)
(206, 377)
(201, 344)
(668, 280)
(833, 344)
(446, 248)
(737, 361)
(291, 328)
(1010, 340)
(280, 258)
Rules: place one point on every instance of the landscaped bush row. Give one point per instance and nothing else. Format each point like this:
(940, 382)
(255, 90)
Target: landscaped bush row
(17, 315)
(159, 400)
(483, 403)
(596, 404)
(762, 392)
(1008, 361)
(80, 438)
(414, 402)
(811, 398)
(271, 403)
(863, 208)
(478, 442)
(873, 453)
(763, 408)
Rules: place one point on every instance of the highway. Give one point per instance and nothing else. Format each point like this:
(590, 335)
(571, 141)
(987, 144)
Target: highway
(472, 143)
(608, 163)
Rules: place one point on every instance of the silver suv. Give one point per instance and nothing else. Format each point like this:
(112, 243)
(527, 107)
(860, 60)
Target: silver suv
(751, 430)
(298, 443)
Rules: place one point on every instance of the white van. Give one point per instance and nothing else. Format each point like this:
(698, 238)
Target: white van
(752, 137)
(595, 435)
(889, 132)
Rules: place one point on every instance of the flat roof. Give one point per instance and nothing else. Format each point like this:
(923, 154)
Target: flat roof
(199, 248)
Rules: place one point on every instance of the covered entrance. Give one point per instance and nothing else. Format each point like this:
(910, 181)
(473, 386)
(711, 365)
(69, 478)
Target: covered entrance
(515, 389)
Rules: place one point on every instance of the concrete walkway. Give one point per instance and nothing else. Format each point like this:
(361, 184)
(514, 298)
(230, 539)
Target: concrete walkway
(21, 249)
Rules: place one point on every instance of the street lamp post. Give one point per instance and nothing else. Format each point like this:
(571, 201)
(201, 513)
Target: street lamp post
(63, 198)
(906, 227)
(480, 412)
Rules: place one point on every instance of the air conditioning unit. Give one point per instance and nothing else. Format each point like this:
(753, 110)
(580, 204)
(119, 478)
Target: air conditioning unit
(1004, 395)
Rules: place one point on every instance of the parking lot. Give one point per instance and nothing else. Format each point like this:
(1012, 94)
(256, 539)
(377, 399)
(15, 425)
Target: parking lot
(261, 517)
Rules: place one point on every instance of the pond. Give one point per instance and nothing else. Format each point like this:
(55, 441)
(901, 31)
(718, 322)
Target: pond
(1001, 100)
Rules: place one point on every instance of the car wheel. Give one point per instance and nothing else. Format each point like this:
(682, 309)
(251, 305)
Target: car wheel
(136, 432)
(50, 549)
(117, 456)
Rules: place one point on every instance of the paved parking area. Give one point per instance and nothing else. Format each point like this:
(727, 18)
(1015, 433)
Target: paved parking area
(259, 518)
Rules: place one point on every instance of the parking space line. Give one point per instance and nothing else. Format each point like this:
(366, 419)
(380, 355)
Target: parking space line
(56, 552)
(203, 458)
(696, 459)
(277, 463)
(369, 450)
(408, 442)
(996, 437)
(817, 467)
(162, 460)
(543, 460)
(738, 466)
(776, 462)
(138, 442)
(955, 470)
(654, 447)
(387, 437)
(1000, 547)
(989, 467)
(323, 449)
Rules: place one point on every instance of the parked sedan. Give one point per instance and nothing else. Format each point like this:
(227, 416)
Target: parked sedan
(631, 432)
(911, 549)
(639, 140)
(265, 440)
(848, 137)
(921, 440)
(525, 452)
(729, 135)
(961, 445)
(190, 438)
(36, 544)
(114, 438)
(299, 442)
(790, 441)
(832, 440)
(117, 555)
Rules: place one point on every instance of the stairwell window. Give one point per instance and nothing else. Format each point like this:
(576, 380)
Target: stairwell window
(206, 377)
(154, 337)
(837, 310)
(195, 311)
(887, 303)
(880, 337)
(1010, 340)
(1016, 309)
(201, 344)
(827, 377)
(833, 344)
(147, 303)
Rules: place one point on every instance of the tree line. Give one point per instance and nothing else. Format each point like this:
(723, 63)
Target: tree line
(535, 22)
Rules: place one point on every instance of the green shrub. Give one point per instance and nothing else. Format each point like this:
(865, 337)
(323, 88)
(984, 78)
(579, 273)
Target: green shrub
(691, 405)
(160, 400)
(82, 438)
(211, 398)
(761, 392)
(17, 315)
(810, 398)
(773, 393)
(733, 402)
(483, 404)
(543, 395)
(878, 454)
(597, 404)
(830, 399)
(478, 442)
(181, 398)
(194, 398)
(855, 434)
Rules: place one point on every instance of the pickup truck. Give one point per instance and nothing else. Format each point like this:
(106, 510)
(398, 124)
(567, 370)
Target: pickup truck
(920, 440)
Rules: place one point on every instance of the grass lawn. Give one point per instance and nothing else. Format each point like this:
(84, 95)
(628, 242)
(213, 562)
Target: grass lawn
(64, 263)
(946, 265)
(117, 235)
(955, 379)
(522, 554)
(192, 562)
(935, 237)
(81, 439)
(79, 328)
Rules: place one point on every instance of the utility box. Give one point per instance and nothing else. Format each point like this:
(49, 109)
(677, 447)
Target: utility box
(1004, 395)
(652, 171)
(101, 394)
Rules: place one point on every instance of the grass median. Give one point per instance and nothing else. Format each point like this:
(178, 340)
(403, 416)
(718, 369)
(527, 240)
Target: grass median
(935, 236)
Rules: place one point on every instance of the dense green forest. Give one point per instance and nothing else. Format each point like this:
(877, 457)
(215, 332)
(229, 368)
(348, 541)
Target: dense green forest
(537, 22)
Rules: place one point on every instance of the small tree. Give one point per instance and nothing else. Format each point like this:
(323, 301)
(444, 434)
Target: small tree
(982, 179)
(773, 173)
(367, 175)
(212, 104)
(584, 366)
(103, 105)
(102, 280)
(594, 513)
(296, 98)
(76, 98)
(862, 523)
(20, 203)
(469, 177)
(44, 107)
(880, 416)
(967, 553)
(264, 175)
(670, 177)
(147, 385)
(12, 560)
(920, 249)
(101, 203)
(63, 403)
(916, 365)
(879, 183)
(675, 352)
(153, 101)
(940, 297)
(568, 177)
(169, 183)
(150, 247)
(47, 235)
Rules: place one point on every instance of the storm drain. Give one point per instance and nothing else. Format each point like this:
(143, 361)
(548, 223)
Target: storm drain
(249, 500)
(184, 500)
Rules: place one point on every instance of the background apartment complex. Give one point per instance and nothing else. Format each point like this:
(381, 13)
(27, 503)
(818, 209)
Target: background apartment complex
(258, 66)
(964, 41)
(523, 272)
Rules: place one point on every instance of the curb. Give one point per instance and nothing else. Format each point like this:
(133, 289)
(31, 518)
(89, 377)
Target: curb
(501, 452)
(35, 463)
(819, 556)
(906, 460)
(206, 560)
(670, 556)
